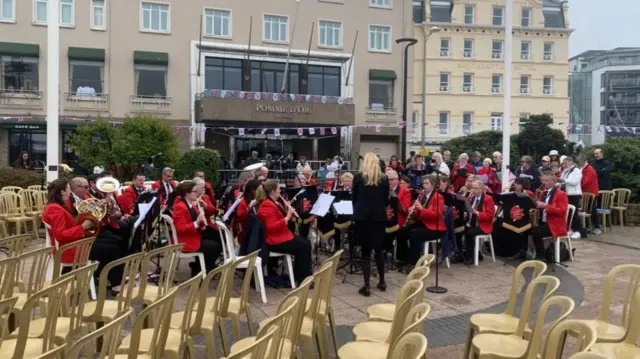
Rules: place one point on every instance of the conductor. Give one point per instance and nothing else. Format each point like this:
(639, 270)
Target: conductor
(370, 199)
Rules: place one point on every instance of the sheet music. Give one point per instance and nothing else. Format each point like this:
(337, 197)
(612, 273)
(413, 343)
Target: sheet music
(143, 209)
(230, 210)
(322, 205)
(344, 207)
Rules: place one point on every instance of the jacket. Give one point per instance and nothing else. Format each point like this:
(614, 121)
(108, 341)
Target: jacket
(556, 211)
(531, 174)
(572, 178)
(159, 186)
(486, 211)
(603, 168)
(127, 200)
(492, 181)
(64, 230)
(460, 179)
(589, 181)
(370, 202)
(186, 229)
(432, 213)
(275, 224)
(404, 199)
(254, 237)
(242, 215)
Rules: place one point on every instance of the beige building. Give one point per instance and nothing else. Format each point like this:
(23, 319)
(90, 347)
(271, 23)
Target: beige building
(465, 66)
(124, 57)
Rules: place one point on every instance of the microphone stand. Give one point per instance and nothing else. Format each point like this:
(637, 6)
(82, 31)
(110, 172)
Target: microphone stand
(437, 289)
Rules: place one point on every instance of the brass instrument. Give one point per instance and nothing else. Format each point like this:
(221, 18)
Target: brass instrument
(91, 209)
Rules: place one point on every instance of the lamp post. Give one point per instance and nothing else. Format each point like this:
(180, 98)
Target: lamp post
(410, 42)
(427, 34)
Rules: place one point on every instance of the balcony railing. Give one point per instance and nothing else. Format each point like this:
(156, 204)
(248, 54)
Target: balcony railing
(21, 99)
(467, 88)
(632, 82)
(525, 56)
(445, 53)
(74, 101)
(496, 90)
(149, 104)
(468, 54)
(445, 88)
(547, 57)
(496, 55)
(381, 114)
(269, 96)
(525, 90)
(548, 91)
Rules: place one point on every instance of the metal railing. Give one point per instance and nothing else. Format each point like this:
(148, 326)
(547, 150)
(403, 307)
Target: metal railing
(154, 104)
(86, 102)
(21, 99)
(231, 177)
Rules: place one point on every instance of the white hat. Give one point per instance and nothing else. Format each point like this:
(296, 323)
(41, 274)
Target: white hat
(562, 158)
(553, 153)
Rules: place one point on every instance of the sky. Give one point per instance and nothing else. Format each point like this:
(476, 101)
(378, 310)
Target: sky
(603, 25)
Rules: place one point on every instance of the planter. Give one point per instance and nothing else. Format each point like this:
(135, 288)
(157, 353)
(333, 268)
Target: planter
(633, 214)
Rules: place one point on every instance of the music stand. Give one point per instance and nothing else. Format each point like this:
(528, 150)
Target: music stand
(437, 289)
(319, 210)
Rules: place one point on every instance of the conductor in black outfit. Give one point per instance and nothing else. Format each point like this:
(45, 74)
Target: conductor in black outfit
(370, 200)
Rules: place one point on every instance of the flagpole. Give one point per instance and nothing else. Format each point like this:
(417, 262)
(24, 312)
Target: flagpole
(286, 64)
(196, 134)
(506, 114)
(53, 90)
(353, 51)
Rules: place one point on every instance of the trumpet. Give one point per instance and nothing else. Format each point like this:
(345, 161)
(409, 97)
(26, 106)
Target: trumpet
(289, 206)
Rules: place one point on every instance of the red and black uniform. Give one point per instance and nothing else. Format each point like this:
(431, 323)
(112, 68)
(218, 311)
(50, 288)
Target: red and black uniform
(553, 218)
(480, 223)
(164, 189)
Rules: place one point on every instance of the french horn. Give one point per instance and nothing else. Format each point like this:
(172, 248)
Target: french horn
(91, 209)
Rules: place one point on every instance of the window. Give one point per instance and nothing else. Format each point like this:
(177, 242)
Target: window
(547, 85)
(32, 141)
(86, 77)
(275, 28)
(40, 11)
(217, 22)
(67, 13)
(496, 83)
(379, 38)
(498, 16)
(443, 124)
(155, 17)
(381, 93)
(467, 122)
(418, 11)
(380, 3)
(548, 51)
(496, 51)
(524, 118)
(7, 10)
(469, 14)
(324, 81)
(225, 74)
(445, 47)
(330, 34)
(524, 84)
(98, 15)
(525, 19)
(467, 83)
(19, 74)
(496, 121)
(150, 81)
(444, 82)
(467, 52)
(525, 50)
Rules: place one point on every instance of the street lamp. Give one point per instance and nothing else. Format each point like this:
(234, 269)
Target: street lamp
(427, 34)
(410, 42)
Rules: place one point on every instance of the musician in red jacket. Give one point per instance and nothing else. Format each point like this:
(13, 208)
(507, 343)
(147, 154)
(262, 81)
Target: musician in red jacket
(244, 208)
(460, 171)
(552, 204)
(165, 185)
(194, 228)
(404, 202)
(127, 199)
(275, 217)
(481, 220)
(64, 230)
(208, 188)
(589, 184)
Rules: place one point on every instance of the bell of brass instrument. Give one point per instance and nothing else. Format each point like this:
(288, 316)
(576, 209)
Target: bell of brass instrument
(91, 210)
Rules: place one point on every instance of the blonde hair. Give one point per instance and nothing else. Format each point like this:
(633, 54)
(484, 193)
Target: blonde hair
(487, 160)
(262, 192)
(371, 169)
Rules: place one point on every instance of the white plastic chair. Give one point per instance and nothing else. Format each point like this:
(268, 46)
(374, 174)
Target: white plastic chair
(571, 209)
(49, 274)
(173, 239)
(476, 247)
(229, 250)
(434, 244)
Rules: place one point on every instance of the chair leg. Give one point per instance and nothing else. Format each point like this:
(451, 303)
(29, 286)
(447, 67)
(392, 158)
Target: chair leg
(260, 282)
(290, 270)
(249, 320)
(235, 327)
(92, 288)
(476, 251)
(334, 334)
(202, 265)
(621, 215)
(321, 338)
(210, 345)
(308, 347)
(570, 248)
(467, 348)
(556, 243)
(493, 254)
(224, 341)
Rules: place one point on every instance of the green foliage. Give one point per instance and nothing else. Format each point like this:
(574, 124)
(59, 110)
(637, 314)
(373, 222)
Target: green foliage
(538, 138)
(486, 142)
(200, 159)
(623, 152)
(128, 145)
(18, 177)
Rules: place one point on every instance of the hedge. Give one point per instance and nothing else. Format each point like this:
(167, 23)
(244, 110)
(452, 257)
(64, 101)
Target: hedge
(18, 177)
(200, 159)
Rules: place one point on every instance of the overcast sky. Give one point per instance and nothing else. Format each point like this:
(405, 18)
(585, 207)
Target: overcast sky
(603, 25)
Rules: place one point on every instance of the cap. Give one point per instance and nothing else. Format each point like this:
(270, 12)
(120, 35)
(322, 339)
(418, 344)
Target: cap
(553, 153)
(546, 158)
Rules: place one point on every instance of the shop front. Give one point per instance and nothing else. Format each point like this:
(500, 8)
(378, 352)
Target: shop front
(31, 137)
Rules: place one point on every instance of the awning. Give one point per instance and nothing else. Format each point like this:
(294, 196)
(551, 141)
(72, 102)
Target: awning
(15, 48)
(86, 53)
(382, 74)
(33, 125)
(150, 58)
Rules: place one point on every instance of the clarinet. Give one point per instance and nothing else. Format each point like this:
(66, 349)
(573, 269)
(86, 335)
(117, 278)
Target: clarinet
(413, 207)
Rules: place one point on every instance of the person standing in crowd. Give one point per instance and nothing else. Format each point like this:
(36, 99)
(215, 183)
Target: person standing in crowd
(268, 161)
(410, 160)
(570, 179)
(554, 156)
(447, 159)
(497, 164)
(553, 203)
(603, 167)
(417, 170)
(165, 185)
(589, 184)
(527, 171)
(370, 200)
(440, 165)
(476, 161)
(490, 173)
(23, 161)
(333, 167)
(395, 165)
(480, 221)
(303, 164)
(289, 163)
(461, 171)
(253, 159)
(545, 164)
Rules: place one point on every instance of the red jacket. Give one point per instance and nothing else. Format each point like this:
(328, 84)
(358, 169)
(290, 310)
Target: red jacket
(127, 200)
(589, 182)
(185, 229)
(556, 212)
(494, 182)
(210, 193)
(404, 198)
(63, 228)
(433, 209)
(70, 205)
(242, 216)
(459, 181)
(158, 186)
(485, 216)
(275, 223)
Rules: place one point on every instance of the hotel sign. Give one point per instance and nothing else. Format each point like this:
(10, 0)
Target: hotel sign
(283, 111)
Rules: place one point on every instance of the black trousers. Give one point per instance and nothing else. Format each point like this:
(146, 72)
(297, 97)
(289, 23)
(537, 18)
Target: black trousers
(211, 248)
(470, 234)
(539, 233)
(575, 200)
(300, 249)
(595, 217)
(370, 235)
(411, 241)
(106, 250)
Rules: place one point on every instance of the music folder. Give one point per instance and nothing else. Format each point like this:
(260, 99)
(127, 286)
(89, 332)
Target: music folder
(322, 205)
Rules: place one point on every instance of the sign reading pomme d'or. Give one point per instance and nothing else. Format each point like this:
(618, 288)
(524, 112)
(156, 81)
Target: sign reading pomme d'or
(283, 109)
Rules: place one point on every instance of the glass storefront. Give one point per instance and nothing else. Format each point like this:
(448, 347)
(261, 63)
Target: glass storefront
(33, 139)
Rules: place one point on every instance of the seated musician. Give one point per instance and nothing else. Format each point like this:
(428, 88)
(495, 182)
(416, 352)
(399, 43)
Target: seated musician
(194, 229)
(552, 204)
(127, 199)
(405, 182)
(165, 185)
(205, 201)
(93, 179)
(521, 188)
(307, 173)
(458, 220)
(208, 188)
(244, 207)
(346, 184)
(403, 202)
(481, 221)
(64, 230)
(275, 217)
(466, 189)
(428, 224)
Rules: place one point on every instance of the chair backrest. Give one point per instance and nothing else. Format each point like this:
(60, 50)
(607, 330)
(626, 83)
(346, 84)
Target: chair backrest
(13, 189)
(622, 196)
(335, 261)
(109, 333)
(28, 199)
(571, 209)
(415, 319)
(168, 265)
(409, 346)
(426, 260)
(161, 311)
(250, 261)
(37, 187)
(284, 320)
(629, 273)
(80, 249)
(549, 285)
(55, 353)
(6, 305)
(38, 260)
(258, 349)
(419, 273)
(538, 268)
(191, 288)
(77, 294)
(565, 307)
(301, 292)
(13, 203)
(582, 330)
(321, 279)
(606, 199)
(226, 237)
(411, 291)
(633, 327)
(7, 277)
(130, 267)
(16, 245)
(40, 198)
(225, 273)
(586, 203)
(54, 295)
(169, 226)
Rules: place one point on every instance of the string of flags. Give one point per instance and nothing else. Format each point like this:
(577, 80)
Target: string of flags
(580, 128)
(277, 97)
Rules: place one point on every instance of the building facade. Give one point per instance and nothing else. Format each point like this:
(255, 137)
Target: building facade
(211, 68)
(465, 66)
(604, 88)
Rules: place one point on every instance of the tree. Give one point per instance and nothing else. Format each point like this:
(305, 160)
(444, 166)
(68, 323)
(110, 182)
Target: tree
(485, 142)
(623, 153)
(130, 145)
(200, 159)
(538, 138)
